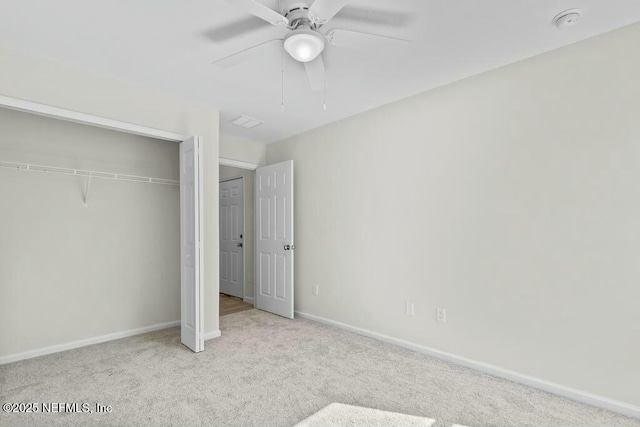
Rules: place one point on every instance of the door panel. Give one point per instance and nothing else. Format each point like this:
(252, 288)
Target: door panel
(191, 312)
(232, 237)
(264, 277)
(274, 243)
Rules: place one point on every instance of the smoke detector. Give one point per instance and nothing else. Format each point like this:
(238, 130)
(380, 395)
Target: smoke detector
(568, 18)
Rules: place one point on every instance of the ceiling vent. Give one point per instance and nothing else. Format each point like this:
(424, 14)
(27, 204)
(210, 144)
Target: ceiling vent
(245, 122)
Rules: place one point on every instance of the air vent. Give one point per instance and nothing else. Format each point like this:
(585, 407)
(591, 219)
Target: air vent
(245, 122)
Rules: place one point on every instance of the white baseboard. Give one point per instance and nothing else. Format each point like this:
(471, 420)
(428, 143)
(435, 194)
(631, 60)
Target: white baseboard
(249, 300)
(82, 343)
(578, 395)
(212, 335)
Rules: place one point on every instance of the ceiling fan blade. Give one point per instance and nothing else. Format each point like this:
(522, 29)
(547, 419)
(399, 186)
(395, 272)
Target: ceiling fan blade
(234, 29)
(316, 74)
(261, 11)
(321, 11)
(368, 15)
(245, 55)
(357, 40)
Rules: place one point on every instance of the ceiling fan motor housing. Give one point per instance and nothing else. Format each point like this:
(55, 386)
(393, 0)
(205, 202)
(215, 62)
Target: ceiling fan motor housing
(297, 12)
(288, 6)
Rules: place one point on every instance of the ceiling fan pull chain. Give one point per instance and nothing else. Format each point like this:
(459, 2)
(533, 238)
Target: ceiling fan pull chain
(282, 79)
(324, 86)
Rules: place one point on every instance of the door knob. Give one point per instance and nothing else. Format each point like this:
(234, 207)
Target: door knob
(240, 245)
(289, 247)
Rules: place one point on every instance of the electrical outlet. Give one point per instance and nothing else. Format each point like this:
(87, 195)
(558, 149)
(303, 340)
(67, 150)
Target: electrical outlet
(441, 315)
(315, 289)
(409, 308)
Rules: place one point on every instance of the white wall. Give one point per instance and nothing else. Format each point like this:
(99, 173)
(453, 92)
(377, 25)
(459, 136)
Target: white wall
(249, 178)
(53, 83)
(79, 272)
(509, 198)
(245, 150)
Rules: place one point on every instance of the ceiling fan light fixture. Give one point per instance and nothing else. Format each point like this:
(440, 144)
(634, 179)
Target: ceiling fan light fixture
(303, 45)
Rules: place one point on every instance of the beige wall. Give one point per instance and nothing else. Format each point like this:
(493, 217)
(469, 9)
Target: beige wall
(509, 198)
(245, 150)
(49, 82)
(79, 272)
(249, 178)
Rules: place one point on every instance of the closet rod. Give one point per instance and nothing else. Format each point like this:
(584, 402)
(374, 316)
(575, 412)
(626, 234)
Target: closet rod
(86, 173)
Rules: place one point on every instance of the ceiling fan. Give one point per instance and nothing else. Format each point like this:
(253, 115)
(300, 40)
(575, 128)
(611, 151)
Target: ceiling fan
(304, 35)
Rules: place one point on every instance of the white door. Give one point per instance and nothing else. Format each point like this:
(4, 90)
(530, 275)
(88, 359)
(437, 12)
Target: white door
(191, 285)
(274, 238)
(232, 237)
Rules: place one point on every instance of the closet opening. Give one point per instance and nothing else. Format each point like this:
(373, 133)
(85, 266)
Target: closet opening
(90, 230)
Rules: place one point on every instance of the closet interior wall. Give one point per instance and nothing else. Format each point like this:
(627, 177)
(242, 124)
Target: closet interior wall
(71, 272)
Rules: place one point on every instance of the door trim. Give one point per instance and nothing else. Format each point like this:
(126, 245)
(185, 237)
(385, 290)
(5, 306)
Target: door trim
(87, 119)
(231, 178)
(244, 228)
(237, 164)
(244, 231)
(245, 298)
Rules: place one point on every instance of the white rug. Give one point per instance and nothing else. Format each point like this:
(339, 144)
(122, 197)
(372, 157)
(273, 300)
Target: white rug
(339, 415)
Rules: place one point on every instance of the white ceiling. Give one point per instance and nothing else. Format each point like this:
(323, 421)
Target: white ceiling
(170, 44)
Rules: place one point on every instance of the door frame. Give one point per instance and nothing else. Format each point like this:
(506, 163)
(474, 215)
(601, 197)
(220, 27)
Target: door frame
(244, 228)
(224, 161)
(58, 113)
(88, 119)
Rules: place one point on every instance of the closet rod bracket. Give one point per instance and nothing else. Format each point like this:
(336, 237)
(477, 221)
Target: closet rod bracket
(85, 196)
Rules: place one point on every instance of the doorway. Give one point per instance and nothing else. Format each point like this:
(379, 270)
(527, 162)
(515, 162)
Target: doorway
(237, 244)
(268, 231)
(232, 237)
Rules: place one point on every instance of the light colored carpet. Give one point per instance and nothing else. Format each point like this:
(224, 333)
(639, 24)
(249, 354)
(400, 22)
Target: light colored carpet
(269, 371)
(339, 415)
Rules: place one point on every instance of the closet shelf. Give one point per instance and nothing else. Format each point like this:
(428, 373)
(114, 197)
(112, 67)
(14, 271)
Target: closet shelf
(86, 173)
